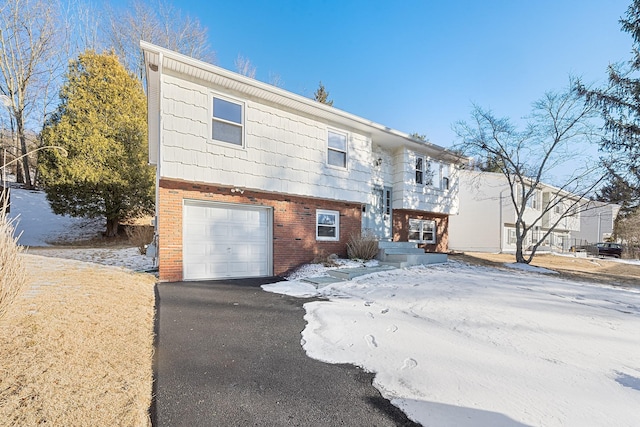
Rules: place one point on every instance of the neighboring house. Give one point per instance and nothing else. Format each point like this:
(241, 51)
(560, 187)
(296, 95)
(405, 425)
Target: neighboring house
(486, 221)
(253, 180)
(597, 222)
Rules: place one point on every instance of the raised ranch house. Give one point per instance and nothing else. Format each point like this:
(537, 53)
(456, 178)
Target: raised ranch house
(253, 180)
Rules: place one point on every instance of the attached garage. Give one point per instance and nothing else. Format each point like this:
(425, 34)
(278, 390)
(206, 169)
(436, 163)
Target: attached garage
(223, 240)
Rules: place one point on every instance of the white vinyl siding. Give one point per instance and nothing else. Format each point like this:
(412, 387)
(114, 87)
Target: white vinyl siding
(282, 152)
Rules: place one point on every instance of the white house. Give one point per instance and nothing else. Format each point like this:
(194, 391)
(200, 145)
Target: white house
(253, 180)
(597, 222)
(486, 219)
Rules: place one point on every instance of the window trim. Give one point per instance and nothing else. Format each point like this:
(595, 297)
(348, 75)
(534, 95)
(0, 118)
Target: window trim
(241, 125)
(335, 238)
(432, 174)
(337, 150)
(422, 223)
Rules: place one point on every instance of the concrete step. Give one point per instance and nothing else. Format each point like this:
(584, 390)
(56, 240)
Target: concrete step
(396, 264)
(401, 251)
(396, 245)
(350, 273)
(416, 259)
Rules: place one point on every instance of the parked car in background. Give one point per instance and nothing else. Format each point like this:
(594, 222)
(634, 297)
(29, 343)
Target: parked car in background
(609, 249)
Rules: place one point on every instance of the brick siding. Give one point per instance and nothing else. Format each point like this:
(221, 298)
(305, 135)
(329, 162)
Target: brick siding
(401, 228)
(294, 224)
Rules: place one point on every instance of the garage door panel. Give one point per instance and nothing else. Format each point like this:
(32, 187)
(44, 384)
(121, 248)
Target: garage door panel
(222, 241)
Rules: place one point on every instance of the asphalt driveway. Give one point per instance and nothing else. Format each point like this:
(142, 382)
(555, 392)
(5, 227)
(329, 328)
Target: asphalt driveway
(229, 354)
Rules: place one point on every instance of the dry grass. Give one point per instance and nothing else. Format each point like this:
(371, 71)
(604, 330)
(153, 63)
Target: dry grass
(362, 246)
(76, 348)
(140, 236)
(604, 271)
(12, 277)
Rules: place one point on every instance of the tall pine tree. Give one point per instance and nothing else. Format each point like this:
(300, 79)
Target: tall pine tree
(620, 107)
(101, 122)
(322, 96)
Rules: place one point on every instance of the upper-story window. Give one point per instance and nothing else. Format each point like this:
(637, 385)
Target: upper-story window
(228, 121)
(532, 202)
(337, 149)
(432, 173)
(558, 208)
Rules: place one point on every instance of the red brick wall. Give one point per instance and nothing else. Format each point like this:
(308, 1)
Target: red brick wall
(294, 222)
(401, 228)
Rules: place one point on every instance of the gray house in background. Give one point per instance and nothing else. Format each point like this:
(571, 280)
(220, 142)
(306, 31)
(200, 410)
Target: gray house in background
(597, 222)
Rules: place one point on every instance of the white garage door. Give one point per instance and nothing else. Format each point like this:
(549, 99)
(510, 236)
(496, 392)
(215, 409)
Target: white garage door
(225, 241)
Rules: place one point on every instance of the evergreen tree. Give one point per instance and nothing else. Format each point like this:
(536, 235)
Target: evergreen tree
(617, 190)
(419, 136)
(620, 107)
(321, 95)
(101, 122)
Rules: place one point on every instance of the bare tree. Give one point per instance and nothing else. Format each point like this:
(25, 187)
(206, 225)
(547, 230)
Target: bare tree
(245, 67)
(559, 130)
(30, 40)
(627, 229)
(85, 27)
(161, 24)
(275, 79)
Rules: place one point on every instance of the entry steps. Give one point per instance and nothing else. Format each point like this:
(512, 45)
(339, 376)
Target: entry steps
(406, 254)
(391, 255)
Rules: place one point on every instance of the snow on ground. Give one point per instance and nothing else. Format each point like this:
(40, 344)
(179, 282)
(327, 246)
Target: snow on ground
(38, 227)
(461, 345)
(121, 257)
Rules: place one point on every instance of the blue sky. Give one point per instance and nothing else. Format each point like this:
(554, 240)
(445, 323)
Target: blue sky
(417, 66)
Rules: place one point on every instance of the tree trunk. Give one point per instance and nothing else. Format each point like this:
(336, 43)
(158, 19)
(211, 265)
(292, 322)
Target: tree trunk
(18, 166)
(24, 151)
(112, 228)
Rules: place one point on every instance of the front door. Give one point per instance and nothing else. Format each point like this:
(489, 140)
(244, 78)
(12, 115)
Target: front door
(376, 216)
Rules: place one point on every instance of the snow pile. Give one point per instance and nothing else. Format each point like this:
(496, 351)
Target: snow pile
(463, 345)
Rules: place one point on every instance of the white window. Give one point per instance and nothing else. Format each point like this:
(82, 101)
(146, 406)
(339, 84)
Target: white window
(337, 149)
(444, 177)
(532, 202)
(227, 121)
(419, 170)
(431, 173)
(422, 230)
(558, 208)
(327, 225)
(511, 238)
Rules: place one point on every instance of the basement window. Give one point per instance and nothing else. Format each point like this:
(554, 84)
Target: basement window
(422, 231)
(327, 225)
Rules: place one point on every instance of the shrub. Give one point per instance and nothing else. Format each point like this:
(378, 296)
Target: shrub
(13, 278)
(324, 259)
(140, 236)
(363, 246)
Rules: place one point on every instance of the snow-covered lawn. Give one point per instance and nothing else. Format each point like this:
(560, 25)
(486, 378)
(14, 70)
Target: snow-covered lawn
(451, 344)
(462, 345)
(38, 228)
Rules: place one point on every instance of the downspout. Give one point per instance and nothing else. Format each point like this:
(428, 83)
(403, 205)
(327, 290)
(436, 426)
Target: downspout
(501, 245)
(159, 158)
